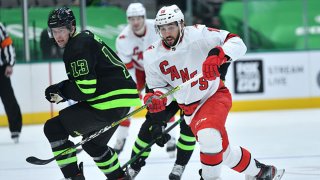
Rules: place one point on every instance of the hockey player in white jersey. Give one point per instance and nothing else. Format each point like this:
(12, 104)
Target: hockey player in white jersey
(183, 52)
(136, 37)
(130, 44)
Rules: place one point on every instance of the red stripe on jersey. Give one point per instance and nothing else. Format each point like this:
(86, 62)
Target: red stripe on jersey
(244, 161)
(229, 36)
(138, 66)
(125, 123)
(211, 160)
(129, 65)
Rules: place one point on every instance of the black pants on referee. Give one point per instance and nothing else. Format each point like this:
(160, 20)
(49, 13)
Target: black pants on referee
(10, 103)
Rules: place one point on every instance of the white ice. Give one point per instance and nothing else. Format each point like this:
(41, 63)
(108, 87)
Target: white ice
(288, 139)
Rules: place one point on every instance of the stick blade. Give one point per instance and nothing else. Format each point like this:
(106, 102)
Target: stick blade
(37, 161)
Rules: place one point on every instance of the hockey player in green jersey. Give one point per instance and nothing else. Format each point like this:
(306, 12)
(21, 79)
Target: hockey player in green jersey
(103, 88)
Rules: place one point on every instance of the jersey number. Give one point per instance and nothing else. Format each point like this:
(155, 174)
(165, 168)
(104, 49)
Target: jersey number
(79, 68)
(115, 61)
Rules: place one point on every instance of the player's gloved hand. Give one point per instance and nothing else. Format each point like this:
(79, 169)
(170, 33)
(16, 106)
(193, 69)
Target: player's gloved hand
(210, 67)
(53, 93)
(157, 133)
(154, 103)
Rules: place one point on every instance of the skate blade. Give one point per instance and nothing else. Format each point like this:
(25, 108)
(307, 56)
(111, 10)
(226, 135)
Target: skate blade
(279, 174)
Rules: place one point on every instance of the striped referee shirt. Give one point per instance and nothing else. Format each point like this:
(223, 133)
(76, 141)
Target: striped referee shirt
(7, 53)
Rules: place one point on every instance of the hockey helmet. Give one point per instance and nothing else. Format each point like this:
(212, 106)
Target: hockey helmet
(169, 14)
(136, 9)
(61, 17)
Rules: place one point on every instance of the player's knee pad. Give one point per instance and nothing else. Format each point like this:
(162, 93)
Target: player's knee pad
(94, 150)
(210, 141)
(54, 131)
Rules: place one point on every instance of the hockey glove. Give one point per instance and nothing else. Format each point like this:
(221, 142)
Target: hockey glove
(210, 67)
(154, 103)
(53, 93)
(157, 133)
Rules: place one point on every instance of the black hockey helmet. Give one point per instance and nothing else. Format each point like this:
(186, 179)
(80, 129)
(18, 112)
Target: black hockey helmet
(61, 17)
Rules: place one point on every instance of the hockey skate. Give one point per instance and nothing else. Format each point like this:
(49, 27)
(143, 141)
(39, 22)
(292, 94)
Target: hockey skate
(176, 172)
(79, 176)
(118, 147)
(132, 173)
(171, 147)
(15, 137)
(267, 172)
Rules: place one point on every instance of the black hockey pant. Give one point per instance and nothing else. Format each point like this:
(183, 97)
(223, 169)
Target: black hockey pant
(10, 103)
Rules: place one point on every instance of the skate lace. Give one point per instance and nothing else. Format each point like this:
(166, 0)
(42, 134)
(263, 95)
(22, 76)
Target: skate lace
(132, 173)
(177, 169)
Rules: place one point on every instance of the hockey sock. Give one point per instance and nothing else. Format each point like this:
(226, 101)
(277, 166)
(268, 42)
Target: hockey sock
(240, 160)
(185, 147)
(137, 147)
(109, 164)
(67, 162)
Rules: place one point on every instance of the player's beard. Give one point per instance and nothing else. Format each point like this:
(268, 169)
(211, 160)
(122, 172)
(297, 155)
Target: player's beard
(171, 41)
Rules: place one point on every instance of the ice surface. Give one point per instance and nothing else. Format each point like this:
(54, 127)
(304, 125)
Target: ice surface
(288, 139)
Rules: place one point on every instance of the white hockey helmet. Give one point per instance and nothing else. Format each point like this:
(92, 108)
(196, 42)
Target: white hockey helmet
(169, 14)
(136, 9)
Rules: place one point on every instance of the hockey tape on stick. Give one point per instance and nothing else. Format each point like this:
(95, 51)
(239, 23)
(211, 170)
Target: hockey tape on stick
(134, 158)
(37, 161)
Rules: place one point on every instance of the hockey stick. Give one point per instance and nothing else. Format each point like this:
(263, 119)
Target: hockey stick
(37, 161)
(135, 157)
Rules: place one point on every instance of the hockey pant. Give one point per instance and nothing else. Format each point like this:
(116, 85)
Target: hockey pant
(209, 126)
(185, 144)
(80, 119)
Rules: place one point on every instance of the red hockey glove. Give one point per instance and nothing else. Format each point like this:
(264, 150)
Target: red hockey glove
(210, 67)
(155, 104)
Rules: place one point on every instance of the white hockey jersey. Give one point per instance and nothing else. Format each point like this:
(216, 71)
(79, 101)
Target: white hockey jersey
(130, 47)
(167, 68)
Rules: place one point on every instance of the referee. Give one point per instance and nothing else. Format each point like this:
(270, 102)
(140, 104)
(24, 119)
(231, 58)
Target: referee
(7, 60)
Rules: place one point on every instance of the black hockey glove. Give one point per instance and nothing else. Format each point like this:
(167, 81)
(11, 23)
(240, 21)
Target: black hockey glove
(157, 133)
(53, 93)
